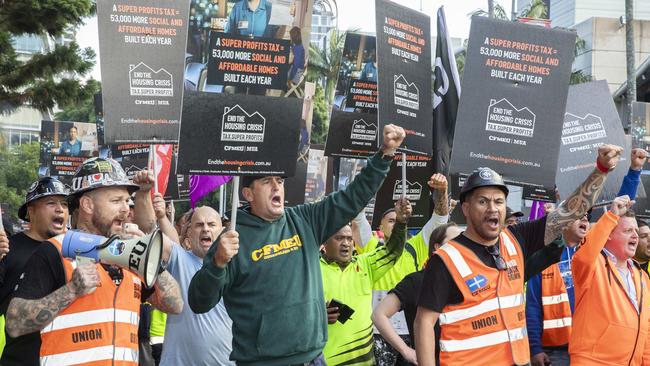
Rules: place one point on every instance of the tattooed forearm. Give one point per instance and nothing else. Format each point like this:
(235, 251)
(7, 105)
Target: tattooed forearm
(441, 202)
(575, 206)
(167, 295)
(28, 316)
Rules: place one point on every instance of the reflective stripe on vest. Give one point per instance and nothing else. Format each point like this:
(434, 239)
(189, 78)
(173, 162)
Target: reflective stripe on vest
(91, 355)
(490, 324)
(485, 340)
(99, 328)
(92, 317)
(556, 310)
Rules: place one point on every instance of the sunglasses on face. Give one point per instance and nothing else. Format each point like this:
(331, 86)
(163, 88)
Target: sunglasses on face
(495, 252)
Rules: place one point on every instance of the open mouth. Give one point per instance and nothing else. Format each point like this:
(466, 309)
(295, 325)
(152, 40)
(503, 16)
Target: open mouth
(493, 223)
(58, 222)
(345, 252)
(583, 227)
(205, 240)
(276, 200)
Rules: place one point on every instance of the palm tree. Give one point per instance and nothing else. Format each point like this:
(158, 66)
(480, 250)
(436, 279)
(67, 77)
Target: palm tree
(536, 9)
(324, 64)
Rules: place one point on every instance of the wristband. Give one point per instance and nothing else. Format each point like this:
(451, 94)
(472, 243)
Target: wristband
(602, 168)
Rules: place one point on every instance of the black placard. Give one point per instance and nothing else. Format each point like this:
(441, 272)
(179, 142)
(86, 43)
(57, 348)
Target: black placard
(64, 146)
(641, 139)
(132, 157)
(224, 134)
(418, 171)
(244, 61)
(142, 48)
(404, 84)
(515, 85)
(590, 121)
(352, 134)
(362, 96)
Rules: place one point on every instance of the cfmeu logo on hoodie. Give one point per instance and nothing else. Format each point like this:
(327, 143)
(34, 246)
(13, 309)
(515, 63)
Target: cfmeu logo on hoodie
(273, 250)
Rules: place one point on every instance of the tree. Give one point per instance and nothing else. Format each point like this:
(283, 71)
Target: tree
(85, 111)
(50, 78)
(324, 64)
(18, 169)
(535, 9)
(320, 120)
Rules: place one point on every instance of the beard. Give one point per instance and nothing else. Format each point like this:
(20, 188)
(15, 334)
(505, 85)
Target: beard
(103, 225)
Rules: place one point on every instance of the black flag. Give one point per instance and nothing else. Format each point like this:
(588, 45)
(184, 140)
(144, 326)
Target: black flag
(446, 90)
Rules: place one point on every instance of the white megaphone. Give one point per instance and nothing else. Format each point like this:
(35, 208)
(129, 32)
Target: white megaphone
(141, 256)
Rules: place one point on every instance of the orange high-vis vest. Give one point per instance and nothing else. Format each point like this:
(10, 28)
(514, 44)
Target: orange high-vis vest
(556, 309)
(489, 327)
(97, 329)
(607, 328)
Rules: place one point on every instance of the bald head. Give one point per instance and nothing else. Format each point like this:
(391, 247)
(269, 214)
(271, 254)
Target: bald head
(204, 227)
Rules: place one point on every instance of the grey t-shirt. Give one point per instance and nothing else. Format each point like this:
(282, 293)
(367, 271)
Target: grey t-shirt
(195, 339)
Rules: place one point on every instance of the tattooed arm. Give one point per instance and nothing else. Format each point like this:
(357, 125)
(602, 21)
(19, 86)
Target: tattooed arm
(585, 196)
(167, 295)
(438, 183)
(28, 316)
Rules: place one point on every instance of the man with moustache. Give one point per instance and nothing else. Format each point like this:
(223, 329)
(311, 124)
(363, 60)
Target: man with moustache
(474, 283)
(83, 310)
(46, 209)
(273, 289)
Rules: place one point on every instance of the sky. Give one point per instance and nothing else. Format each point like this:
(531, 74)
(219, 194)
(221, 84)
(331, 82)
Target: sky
(456, 12)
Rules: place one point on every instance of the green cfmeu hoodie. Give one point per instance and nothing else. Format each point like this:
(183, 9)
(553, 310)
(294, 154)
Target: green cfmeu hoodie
(272, 288)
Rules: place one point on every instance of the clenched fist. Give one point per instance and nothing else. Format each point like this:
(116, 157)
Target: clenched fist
(608, 156)
(85, 279)
(638, 159)
(228, 247)
(144, 179)
(393, 138)
(4, 244)
(620, 205)
(438, 181)
(159, 205)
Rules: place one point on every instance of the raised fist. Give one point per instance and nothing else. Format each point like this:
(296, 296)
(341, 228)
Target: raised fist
(620, 205)
(638, 159)
(393, 138)
(159, 205)
(403, 210)
(608, 156)
(227, 249)
(438, 181)
(145, 179)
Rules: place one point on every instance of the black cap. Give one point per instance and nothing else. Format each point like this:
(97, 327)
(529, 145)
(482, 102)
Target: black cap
(510, 212)
(46, 186)
(482, 177)
(247, 180)
(99, 173)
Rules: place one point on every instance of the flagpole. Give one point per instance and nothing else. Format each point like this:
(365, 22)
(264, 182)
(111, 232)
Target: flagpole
(152, 151)
(403, 175)
(222, 197)
(235, 202)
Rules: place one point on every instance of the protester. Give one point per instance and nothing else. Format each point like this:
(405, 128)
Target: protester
(71, 146)
(412, 259)
(462, 278)
(550, 294)
(101, 301)
(369, 72)
(512, 217)
(642, 254)
(348, 279)
(404, 297)
(46, 209)
(273, 291)
(194, 339)
(612, 308)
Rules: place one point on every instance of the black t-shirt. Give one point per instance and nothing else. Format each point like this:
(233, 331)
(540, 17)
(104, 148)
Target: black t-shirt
(439, 288)
(22, 350)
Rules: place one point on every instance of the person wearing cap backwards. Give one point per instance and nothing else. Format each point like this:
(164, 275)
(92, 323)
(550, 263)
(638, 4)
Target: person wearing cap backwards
(86, 312)
(268, 270)
(46, 209)
(550, 296)
(512, 217)
(474, 284)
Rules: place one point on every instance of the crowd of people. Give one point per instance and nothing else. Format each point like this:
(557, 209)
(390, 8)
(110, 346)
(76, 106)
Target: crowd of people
(313, 284)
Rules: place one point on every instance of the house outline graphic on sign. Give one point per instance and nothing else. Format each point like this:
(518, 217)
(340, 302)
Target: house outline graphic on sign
(229, 133)
(409, 97)
(584, 135)
(503, 123)
(363, 136)
(416, 187)
(146, 82)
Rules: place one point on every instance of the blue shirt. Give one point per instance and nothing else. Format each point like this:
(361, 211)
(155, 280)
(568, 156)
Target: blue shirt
(69, 149)
(245, 22)
(195, 339)
(298, 59)
(369, 72)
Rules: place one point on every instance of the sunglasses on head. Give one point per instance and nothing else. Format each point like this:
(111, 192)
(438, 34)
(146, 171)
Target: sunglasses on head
(495, 252)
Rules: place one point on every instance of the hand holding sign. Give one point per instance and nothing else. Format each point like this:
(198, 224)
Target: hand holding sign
(608, 156)
(403, 210)
(4, 244)
(228, 248)
(638, 158)
(393, 138)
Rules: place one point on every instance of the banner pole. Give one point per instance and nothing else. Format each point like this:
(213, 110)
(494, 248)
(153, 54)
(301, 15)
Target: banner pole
(171, 203)
(152, 151)
(403, 175)
(2, 225)
(235, 202)
(222, 197)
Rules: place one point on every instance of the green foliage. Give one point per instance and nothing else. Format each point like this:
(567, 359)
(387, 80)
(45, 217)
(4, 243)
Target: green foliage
(48, 79)
(320, 120)
(324, 64)
(536, 9)
(18, 169)
(499, 13)
(85, 110)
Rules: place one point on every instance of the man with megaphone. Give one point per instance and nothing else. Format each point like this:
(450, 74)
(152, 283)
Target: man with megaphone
(90, 311)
